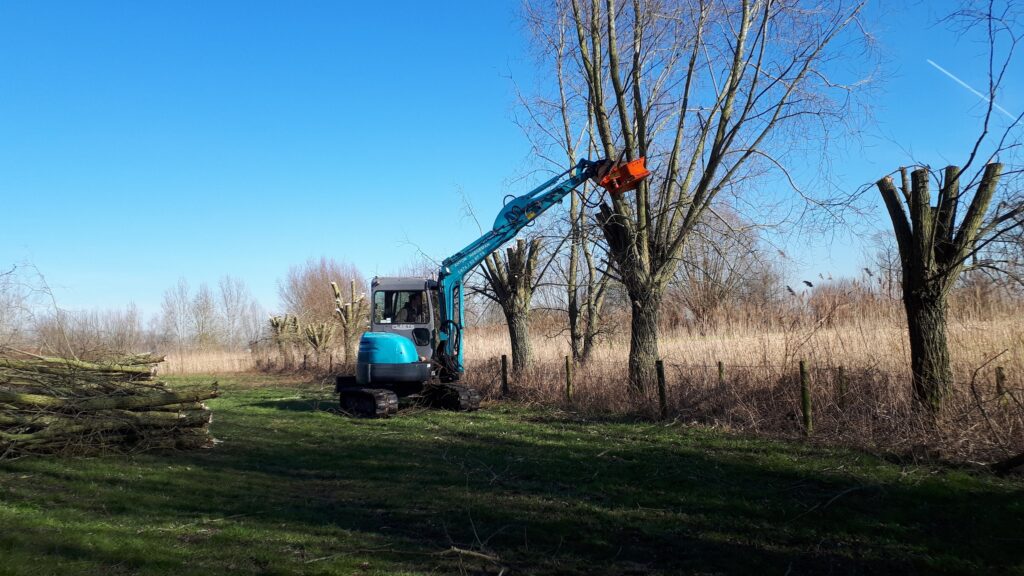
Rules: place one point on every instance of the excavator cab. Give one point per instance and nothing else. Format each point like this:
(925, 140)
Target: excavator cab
(395, 355)
(408, 307)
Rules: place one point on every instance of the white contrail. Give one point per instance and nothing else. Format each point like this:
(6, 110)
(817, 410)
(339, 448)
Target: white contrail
(973, 91)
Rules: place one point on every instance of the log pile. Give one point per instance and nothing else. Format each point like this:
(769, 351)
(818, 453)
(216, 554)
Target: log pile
(56, 405)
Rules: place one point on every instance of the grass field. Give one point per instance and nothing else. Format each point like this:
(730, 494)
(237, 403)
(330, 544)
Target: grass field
(297, 488)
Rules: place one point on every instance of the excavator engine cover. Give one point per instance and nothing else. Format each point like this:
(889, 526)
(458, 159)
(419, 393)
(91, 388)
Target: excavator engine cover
(385, 358)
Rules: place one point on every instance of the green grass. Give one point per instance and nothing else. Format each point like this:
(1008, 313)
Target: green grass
(296, 488)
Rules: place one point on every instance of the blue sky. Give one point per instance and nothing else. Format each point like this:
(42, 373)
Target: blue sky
(141, 142)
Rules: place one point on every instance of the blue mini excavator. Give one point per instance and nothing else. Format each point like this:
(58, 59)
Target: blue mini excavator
(414, 346)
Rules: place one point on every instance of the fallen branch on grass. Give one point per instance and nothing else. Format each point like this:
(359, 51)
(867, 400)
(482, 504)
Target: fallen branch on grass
(471, 554)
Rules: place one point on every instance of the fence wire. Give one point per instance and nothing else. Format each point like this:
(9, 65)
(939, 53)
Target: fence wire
(856, 405)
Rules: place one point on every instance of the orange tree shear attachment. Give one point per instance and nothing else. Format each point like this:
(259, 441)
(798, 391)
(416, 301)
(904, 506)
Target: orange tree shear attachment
(625, 177)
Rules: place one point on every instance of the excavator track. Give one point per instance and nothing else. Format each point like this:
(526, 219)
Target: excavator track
(451, 397)
(368, 402)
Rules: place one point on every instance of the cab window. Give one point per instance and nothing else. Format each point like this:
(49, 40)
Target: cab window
(401, 307)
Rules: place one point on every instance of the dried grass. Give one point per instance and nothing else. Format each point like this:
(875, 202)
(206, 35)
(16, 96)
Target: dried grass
(208, 362)
(859, 373)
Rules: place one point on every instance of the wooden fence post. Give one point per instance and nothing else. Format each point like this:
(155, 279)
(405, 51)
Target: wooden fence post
(568, 380)
(304, 358)
(662, 396)
(330, 362)
(504, 375)
(721, 374)
(805, 398)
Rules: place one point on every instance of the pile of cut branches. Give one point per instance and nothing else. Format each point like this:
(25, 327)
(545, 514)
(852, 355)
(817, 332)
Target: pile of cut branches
(58, 405)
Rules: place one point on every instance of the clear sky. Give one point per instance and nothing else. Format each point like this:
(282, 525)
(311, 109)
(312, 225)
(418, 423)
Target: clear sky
(141, 142)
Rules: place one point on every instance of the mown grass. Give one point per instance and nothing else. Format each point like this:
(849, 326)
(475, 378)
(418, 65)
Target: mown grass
(296, 488)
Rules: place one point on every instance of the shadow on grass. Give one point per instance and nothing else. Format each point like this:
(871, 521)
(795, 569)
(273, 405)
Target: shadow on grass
(545, 495)
(299, 405)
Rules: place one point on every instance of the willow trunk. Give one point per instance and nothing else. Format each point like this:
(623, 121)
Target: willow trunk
(519, 335)
(929, 349)
(643, 345)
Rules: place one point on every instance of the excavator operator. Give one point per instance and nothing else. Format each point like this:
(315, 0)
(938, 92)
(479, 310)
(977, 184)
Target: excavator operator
(413, 311)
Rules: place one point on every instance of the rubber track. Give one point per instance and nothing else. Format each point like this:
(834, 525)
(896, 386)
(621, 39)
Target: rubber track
(384, 402)
(452, 397)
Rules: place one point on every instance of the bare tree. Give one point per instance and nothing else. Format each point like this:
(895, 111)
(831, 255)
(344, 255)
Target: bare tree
(718, 264)
(230, 317)
(884, 270)
(90, 334)
(285, 333)
(306, 290)
(934, 249)
(15, 307)
(319, 337)
(352, 315)
(254, 323)
(175, 314)
(576, 284)
(708, 92)
(233, 303)
(205, 321)
(512, 282)
(1009, 253)
(975, 207)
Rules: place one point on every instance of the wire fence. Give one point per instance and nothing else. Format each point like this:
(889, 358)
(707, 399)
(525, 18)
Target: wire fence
(866, 406)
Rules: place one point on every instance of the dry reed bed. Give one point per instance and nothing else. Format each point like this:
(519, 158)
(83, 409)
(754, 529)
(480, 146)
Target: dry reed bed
(208, 362)
(862, 345)
(859, 376)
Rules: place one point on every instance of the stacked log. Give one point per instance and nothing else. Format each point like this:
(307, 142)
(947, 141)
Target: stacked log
(57, 405)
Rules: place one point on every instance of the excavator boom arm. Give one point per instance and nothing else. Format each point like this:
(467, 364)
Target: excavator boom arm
(514, 216)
